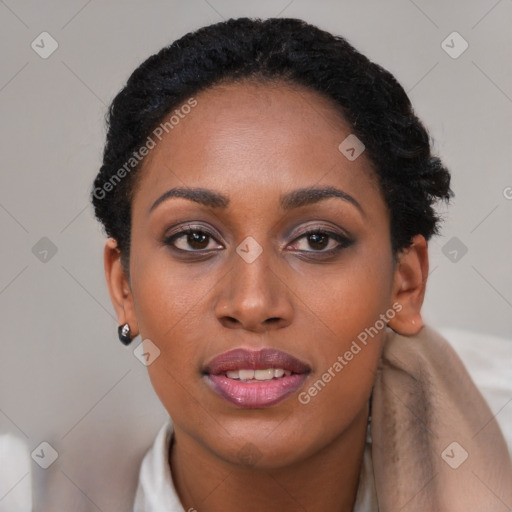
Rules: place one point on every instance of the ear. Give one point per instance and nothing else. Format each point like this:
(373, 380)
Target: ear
(409, 284)
(119, 287)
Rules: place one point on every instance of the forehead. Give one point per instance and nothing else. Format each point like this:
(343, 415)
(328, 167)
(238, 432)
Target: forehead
(251, 138)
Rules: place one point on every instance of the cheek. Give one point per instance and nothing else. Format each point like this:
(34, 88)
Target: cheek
(349, 307)
(338, 389)
(347, 298)
(170, 302)
(168, 295)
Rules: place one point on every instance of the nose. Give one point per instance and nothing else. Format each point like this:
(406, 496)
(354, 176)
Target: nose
(254, 296)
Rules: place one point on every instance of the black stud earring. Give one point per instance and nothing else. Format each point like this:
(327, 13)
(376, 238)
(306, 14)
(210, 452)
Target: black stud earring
(124, 334)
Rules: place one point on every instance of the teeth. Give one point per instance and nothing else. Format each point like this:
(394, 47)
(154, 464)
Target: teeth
(267, 374)
(246, 374)
(264, 374)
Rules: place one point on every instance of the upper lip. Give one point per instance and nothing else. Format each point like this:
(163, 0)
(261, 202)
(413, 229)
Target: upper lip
(243, 359)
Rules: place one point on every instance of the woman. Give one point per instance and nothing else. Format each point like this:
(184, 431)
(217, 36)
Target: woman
(268, 194)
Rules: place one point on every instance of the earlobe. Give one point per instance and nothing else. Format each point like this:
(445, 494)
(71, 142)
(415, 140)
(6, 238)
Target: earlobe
(409, 287)
(119, 287)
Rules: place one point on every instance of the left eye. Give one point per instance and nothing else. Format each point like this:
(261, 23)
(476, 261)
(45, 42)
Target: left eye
(319, 241)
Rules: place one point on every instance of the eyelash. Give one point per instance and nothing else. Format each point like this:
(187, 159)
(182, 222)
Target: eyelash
(342, 240)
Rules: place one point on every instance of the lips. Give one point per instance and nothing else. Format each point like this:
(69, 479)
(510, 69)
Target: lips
(255, 379)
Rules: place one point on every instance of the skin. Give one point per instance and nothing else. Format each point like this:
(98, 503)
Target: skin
(291, 297)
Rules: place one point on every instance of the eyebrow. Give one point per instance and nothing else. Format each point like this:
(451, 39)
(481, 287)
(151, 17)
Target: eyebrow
(294, 199)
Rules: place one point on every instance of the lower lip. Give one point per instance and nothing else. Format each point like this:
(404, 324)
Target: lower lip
(257, 394)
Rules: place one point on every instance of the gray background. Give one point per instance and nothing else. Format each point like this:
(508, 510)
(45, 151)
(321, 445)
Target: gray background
(64, 377)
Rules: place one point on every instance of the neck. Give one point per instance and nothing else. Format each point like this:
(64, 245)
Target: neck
(326, 481)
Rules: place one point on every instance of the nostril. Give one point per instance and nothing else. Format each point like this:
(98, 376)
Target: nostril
(229, 321)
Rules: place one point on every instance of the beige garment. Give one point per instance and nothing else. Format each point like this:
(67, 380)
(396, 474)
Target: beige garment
(436, 446)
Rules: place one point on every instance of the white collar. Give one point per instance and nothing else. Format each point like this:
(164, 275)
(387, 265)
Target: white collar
(156, 492)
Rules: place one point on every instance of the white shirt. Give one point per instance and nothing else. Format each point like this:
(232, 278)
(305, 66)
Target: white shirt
(156, 492)
(15, 475)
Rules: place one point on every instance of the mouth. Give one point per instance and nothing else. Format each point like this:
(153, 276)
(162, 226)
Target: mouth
(255, 379)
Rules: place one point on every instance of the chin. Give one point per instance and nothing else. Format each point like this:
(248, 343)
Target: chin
(266, 445)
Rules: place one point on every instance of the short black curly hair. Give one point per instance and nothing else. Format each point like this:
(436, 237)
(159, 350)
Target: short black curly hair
(276, 49)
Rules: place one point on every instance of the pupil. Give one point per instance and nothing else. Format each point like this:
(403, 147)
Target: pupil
(196, 238)
(315, 238)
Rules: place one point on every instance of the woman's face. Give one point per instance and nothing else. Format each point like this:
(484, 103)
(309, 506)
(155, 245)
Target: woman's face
(248, 279)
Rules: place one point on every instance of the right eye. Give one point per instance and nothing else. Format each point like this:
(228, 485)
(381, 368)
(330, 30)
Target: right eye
(190, 239)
